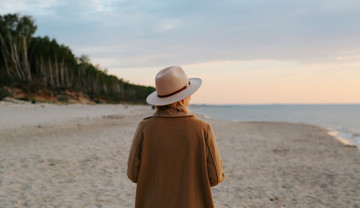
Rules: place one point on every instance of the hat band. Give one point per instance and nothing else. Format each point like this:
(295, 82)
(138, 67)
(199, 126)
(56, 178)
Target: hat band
(168, 95)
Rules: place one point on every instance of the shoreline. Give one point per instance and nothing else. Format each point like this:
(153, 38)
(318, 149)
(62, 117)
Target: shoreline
(333, 133)
(345, 141)
(76, 155)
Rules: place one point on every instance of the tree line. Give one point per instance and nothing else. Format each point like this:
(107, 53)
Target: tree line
(41, 62)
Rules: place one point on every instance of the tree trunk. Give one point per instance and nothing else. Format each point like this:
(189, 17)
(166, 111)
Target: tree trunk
(26, 60)
(62, 82)
(51, 73)
(57, 83)
(6, 62)
(44, 74)
(5, 54)
(67, 77)
(16, 61)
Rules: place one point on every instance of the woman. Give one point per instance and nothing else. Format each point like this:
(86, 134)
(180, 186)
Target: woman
(174, 158)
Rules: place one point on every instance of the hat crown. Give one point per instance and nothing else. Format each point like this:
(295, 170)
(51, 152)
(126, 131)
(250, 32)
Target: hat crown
(170, 80)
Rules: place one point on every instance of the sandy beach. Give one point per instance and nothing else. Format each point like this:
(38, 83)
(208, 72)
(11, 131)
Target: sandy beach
(76, 156)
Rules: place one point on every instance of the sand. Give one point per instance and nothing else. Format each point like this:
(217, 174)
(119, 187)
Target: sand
(75, 156)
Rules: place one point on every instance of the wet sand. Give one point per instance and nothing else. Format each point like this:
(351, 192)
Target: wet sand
(76, 156)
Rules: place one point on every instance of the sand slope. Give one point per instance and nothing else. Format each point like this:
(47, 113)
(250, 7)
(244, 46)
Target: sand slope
(75, 156)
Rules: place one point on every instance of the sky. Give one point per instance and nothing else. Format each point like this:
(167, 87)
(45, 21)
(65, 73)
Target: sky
(245, 51)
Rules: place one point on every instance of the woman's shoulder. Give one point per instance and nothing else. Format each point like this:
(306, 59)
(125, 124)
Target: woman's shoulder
(187, 118)
(200, 121)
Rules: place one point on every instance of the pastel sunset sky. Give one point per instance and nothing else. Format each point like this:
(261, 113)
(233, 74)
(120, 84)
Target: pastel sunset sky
(246, 51)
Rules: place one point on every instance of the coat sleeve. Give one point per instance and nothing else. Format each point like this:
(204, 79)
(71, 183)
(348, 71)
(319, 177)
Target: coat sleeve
(214, 162)
(134, 159)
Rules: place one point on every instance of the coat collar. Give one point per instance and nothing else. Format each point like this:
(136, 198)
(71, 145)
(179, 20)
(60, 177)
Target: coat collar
(169, 113)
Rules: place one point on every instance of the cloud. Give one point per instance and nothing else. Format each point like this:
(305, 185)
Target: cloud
(102, 6)
(29, 7)
(144, 33)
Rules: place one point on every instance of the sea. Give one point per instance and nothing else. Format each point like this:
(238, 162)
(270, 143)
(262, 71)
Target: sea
(344, 119)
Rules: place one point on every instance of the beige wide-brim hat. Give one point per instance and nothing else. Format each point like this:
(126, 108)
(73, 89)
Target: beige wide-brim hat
(172, 85)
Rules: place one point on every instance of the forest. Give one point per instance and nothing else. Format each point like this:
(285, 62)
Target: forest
(41, 67)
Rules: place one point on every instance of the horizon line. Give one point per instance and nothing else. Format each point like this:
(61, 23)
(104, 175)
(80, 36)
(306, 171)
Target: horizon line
(276, 104)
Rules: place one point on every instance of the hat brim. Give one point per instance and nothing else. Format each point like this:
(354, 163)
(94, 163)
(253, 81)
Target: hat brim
(153, 99)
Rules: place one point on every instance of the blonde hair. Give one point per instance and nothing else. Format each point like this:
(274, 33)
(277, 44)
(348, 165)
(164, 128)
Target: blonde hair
(179, 106)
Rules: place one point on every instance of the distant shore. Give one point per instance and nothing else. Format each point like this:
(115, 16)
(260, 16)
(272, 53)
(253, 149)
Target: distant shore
(76, 155)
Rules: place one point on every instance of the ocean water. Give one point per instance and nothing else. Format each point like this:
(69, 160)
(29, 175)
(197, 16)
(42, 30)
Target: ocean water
(342, 118)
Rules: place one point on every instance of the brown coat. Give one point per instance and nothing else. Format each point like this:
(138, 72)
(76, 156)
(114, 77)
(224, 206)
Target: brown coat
(174, 160)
